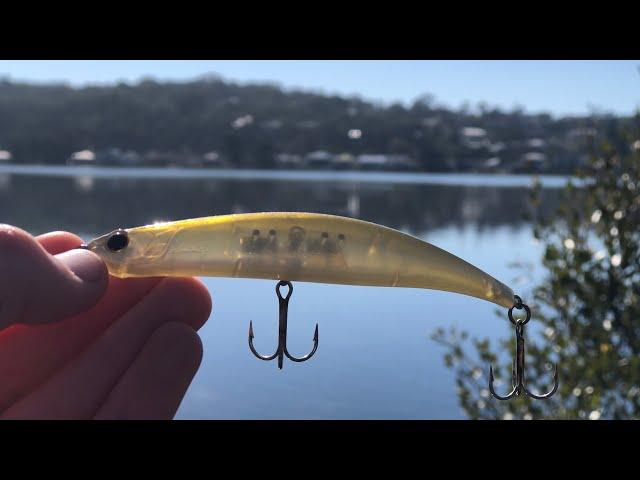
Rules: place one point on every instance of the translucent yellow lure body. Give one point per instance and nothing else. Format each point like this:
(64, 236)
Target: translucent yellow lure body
(305, 247)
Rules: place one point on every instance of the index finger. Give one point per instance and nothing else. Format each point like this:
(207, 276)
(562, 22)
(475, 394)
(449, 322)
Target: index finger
(59, 242)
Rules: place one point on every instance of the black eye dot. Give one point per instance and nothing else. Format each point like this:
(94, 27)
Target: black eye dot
(272, 232)
(117, 241)
(256, 232)
(325, 235)
(341, 237)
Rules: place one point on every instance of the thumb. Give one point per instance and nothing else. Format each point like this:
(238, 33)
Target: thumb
(36, 287)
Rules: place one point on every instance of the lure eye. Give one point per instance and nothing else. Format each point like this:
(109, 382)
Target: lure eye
(118, 241)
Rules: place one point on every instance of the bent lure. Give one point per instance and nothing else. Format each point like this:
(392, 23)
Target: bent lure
(305, 247)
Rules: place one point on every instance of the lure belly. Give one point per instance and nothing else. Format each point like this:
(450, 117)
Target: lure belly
(304, 247)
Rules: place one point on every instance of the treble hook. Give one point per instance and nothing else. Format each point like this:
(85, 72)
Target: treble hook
(281, 351)
(518, 364)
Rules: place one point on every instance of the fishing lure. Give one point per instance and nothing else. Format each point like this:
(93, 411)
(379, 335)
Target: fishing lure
(306, 247)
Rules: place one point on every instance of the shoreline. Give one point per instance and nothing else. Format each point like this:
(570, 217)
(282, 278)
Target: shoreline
(386, 177)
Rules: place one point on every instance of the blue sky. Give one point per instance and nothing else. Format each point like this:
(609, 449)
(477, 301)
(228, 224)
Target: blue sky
(558, 87)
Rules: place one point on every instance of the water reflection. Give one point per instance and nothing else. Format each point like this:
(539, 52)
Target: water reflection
(5, 181)
(84, 183)
(91, 205)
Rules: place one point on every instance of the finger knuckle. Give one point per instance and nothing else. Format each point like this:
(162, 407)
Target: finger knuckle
(12, 239)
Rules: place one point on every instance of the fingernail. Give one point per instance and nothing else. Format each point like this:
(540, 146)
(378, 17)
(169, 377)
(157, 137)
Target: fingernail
(84, 264)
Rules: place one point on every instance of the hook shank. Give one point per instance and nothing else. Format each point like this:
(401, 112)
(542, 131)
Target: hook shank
(281, 350)
(518, 369)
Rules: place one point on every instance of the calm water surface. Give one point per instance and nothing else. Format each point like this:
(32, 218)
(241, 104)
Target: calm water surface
(375, 358)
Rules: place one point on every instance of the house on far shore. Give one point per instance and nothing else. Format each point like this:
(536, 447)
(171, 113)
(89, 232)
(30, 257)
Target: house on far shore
(214, 160)
(392, 161)
(318, 159)
(116, 156)
(344, 161)
(536, 143)
(288, 161)
(399, 161)
(83, 157)
(155, 158)
(491, 165)
(532, 162)
(5, 156)
(372, 161)
(474, 138)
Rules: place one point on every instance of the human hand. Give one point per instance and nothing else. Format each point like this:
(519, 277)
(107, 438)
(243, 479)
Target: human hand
(76, 343)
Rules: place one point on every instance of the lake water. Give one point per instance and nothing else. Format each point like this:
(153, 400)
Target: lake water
(375, 359)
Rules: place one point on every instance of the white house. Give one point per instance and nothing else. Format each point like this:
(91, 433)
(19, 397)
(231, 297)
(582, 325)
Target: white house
(474, 137)
(83, 157)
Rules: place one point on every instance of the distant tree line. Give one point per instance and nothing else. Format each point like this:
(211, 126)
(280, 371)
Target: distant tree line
(250, 124)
